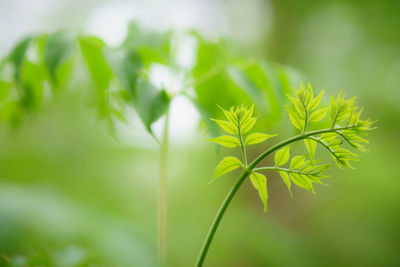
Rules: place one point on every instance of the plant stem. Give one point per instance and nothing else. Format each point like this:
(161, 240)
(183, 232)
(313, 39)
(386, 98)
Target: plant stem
(219, 216)
(243, 176)
(162, 194)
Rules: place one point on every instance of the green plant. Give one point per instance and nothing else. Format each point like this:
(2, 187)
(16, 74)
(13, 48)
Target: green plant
(344, 127)
(43, 67)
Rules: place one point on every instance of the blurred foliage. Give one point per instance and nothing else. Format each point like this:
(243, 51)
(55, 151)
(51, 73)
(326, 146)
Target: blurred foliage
(41, 66)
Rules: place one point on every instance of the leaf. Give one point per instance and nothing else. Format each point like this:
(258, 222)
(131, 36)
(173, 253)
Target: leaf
(230, 115)
(256, 138)
(318, 114)
(93, 54)
(282, 156)
(302, 181)
(226, 126)
(59, 47)
(17, 55)
(286, 180)
(311, 146)
(243, 81)
(297, 162)
(248, 125)
(150, 103)
(226, 140)
(259, 182)
(295, 119)
(227, 164)
(315, 102)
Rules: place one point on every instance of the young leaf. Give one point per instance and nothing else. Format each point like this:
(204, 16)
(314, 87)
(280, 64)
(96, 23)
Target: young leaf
(282, 156)
(319, 114)
(259, 182)
(297, 162)
(256, 138)
(227, 126)
(227, 164)
(226, 140)
(311, 146)
(286, 180)
(302, 181)
(295, 119)
(247, 125)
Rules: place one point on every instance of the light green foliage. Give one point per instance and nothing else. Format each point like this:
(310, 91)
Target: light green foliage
(256, 138)
(228, 164)
(240, 121)
(259, 182)
(226, 141)
(302, 170)
(282, 156)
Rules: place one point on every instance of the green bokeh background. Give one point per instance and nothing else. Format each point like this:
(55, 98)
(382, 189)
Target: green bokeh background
(70, 195)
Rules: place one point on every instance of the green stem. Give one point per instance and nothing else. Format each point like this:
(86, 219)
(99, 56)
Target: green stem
(242, 177)
(280, 169)
(242, 145)
(218, 218)
(162, 197)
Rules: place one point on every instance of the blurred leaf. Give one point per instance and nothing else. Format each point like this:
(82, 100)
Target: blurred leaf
(150, 103)
(58, 49)
(18, 54)
(151, 46)
(32, 84)
(99, 70)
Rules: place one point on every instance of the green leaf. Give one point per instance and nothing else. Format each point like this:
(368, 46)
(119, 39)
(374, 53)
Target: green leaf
(297, 162)
(32, 84)
(248, 125)
(311, 146)
(17, 55)
(256, 138)
(226, 140)
(302, 181)
(315, 102)
(295, 119)
(93, 54)
(58, 49)
(230, 115)
(282, 156)
(318, 114)
(259, 182)
(150, 103)
(286, 180)
(227, 164)
(227, 126)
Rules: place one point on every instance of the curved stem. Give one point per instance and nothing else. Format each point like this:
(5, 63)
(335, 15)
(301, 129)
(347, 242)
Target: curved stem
(219, 216)
(243, 176)
(162, 197)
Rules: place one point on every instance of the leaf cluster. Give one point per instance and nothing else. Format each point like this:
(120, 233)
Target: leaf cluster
(346, 129)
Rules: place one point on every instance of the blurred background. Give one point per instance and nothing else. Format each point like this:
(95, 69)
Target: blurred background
(72, 195)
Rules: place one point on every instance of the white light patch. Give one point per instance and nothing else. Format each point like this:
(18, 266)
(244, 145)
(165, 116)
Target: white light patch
(187, 49)
(184, 119)
(110, 22)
